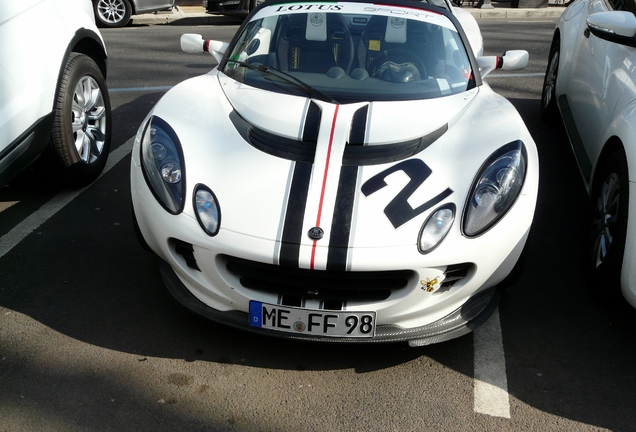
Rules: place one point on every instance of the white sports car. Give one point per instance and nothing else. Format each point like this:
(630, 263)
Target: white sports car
(344, 174)
(590, 84)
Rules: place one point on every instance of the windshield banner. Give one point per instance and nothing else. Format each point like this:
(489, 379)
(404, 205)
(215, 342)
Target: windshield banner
(358, 9)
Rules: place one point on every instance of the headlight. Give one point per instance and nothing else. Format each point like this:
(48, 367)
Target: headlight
(162, 164)
(206, 207)
(435, 228)
(495, 189)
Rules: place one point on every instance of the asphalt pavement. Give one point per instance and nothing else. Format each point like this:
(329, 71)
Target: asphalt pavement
(196, 15)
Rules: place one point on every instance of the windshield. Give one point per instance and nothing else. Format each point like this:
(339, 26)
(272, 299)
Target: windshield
(351, 52)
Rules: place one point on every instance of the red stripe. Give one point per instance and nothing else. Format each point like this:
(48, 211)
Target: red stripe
(406, 7)
(324, 184)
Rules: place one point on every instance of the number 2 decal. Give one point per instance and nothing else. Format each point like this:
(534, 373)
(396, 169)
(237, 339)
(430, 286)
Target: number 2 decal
(399, 211)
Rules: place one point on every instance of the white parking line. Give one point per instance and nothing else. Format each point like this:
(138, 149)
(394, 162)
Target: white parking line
(31, 223)
(491, 384)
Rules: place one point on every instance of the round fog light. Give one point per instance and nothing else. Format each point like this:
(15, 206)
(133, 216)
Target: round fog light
(206, 208)
(435, 228)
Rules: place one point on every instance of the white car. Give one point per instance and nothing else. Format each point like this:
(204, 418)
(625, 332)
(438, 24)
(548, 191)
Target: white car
(344, 174)
(117, 13)
(590, 84)
(53, 94)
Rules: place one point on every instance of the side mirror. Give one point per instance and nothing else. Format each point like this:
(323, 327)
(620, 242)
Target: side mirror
(192, 43)
(195, 44)
(614, 26)
(511, 61)
(515, 60)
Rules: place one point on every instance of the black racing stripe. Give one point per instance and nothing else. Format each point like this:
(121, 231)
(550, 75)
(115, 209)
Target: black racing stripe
(342, 219)
(359, 127)
(298, 193)
(293, 225)
(386, 153)
(274, 144)
(345, 197)
(312, 123)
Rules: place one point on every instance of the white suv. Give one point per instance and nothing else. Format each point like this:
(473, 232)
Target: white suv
(53, 94)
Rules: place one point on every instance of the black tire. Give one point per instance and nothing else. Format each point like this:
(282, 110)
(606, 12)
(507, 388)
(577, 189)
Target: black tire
(112, 13)
(609, 217)
(80, 138)
(253, 4)
(549, 109)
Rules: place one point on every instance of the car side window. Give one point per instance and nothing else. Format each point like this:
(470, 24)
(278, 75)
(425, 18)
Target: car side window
(623, 5)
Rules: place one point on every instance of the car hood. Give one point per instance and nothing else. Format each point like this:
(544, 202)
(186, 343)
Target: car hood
(318, 177)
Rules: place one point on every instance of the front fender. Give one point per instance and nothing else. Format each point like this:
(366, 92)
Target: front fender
(569, 36)
(624, 128)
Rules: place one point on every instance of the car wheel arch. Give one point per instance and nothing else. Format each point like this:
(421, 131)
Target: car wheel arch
(564, 66)
(621, 134)
(88, 43)
(612, 145)
(628, 273)
(84, 42)
(608, 224)
(549, 93)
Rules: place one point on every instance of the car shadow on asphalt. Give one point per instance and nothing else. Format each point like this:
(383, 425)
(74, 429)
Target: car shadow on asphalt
(570, 346)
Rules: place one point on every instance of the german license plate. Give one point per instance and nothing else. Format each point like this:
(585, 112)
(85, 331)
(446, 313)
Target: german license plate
(312, 322)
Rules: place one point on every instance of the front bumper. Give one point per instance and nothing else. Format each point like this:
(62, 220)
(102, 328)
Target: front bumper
(463, 320)
(199, 273)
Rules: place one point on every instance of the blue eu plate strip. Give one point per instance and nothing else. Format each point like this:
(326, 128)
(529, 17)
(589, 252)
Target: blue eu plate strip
(256, 314)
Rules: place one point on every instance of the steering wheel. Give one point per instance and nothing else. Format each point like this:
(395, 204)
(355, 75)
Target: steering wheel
(398, 56)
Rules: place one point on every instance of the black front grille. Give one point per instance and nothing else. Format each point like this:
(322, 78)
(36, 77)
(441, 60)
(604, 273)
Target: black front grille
(186, 250)
(318, 284)
(454, 273)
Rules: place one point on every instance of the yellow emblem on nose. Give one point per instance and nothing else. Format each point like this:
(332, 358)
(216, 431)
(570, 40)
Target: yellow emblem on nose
(428, 285)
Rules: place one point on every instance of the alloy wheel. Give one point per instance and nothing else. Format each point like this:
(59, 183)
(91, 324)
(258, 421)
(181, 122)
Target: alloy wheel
(605, 218)
(88, 119)
(550, 80)
(111, 11)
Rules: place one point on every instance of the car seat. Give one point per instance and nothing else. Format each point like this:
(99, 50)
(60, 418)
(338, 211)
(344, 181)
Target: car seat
(315, 42)
(401, 40)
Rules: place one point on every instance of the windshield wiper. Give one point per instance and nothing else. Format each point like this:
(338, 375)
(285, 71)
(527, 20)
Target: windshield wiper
(288, 78)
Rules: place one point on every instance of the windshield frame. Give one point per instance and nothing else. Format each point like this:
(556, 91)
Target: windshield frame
(385, 8)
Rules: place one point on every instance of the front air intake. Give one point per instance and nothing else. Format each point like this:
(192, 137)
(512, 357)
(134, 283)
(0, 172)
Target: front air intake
(318, 284)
